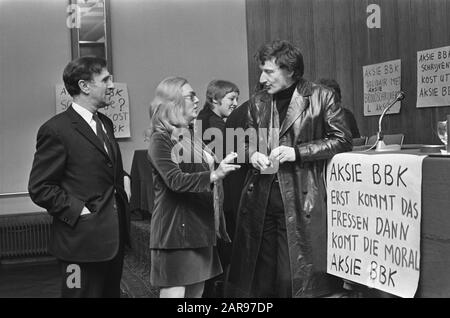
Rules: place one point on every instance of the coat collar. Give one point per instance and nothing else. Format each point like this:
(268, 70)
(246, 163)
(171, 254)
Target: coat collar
(299, 103)
(85, 130)
(304, 87)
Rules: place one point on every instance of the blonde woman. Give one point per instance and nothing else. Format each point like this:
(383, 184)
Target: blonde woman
(185, 220)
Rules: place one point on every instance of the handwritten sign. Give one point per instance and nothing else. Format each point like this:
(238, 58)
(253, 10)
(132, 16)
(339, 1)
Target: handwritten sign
(381, 85)
(374, 212)
(118, 111)
(433, 77)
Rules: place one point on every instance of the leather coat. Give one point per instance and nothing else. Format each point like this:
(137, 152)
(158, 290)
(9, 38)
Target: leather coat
(316, 127)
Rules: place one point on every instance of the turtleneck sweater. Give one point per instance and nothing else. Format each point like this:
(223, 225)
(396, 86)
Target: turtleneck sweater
(282, 100)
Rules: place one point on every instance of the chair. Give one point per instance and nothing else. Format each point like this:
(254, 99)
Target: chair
(394, 139)
(361, 141)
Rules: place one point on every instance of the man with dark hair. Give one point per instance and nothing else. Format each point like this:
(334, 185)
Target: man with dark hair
(351, 121)
(279, 247)
(77, 176)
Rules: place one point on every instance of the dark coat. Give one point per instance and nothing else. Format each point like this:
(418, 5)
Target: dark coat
(71, 169)
(209, 119)
(234, 182)
(315, 126)
(352, 124)
(183, 212)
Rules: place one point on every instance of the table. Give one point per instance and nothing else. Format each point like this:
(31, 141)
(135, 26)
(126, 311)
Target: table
(142, 195)
(435, 233)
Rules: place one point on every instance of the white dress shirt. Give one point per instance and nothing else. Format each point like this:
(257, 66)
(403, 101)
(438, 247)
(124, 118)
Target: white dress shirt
(87, 116)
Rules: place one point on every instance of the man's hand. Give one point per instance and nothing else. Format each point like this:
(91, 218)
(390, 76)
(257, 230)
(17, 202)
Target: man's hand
(260, 161)
(283, 154)
(127, 186)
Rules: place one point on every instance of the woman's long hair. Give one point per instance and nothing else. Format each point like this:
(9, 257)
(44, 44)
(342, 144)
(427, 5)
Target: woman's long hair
(167, 115)
(167, 107)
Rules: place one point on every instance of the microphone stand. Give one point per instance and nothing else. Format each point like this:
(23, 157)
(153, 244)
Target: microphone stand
(380, 145)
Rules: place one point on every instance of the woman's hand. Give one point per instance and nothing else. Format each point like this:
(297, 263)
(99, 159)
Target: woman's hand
(224, 167)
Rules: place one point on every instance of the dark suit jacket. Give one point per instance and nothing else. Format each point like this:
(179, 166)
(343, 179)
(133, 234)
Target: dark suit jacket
(210, 119)
(71, 169)
(351, 122)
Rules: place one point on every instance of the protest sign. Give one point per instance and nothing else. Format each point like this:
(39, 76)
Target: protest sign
(381, 85)
(374, 212)
(433, 77)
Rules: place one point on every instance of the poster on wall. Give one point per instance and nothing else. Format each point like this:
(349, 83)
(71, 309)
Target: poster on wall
(433, 77)
(382, 82)
(118, 111)
(374, 207)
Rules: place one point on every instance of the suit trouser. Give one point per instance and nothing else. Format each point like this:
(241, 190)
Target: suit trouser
(92, 280)
(95, 279)
(272, 276)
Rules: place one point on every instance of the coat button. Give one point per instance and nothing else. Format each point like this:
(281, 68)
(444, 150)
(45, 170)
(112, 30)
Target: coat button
(109, 164)
(182, 225)
(250, 187)
(291, 219)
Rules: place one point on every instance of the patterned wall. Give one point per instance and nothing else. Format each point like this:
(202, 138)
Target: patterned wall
(336, 43)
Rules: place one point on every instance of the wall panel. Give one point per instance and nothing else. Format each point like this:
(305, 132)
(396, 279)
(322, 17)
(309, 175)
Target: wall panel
(337, 43)
(343, 52)
(303, 35)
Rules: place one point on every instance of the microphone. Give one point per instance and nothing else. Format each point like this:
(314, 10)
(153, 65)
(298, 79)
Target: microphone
(380, 145)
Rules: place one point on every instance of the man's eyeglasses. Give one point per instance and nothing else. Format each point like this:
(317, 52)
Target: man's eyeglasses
(191, 96)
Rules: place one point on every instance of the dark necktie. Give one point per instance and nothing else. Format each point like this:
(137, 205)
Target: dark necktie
(102, 136)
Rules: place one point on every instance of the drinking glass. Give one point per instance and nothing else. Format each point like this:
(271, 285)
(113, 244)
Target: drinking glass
(442, 131)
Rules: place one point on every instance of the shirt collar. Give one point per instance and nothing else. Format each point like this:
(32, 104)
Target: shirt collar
(83, 112)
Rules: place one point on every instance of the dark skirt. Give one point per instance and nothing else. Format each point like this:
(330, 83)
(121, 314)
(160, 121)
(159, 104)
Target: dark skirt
(182, 267)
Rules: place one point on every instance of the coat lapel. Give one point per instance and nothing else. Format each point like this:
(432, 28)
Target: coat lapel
(299, 103)
(85, 130)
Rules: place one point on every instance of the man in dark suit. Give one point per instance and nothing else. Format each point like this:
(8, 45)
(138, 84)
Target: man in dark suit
(77, 175)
